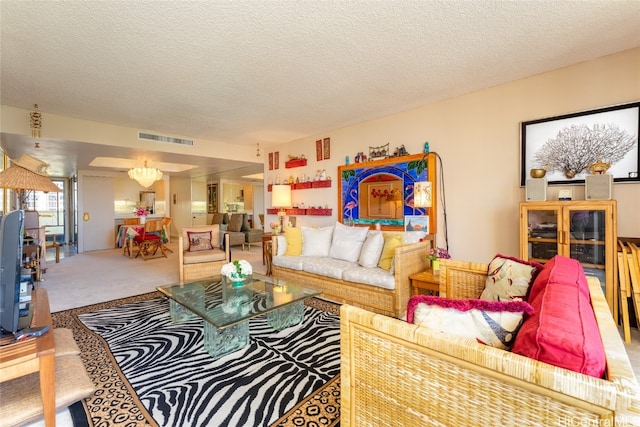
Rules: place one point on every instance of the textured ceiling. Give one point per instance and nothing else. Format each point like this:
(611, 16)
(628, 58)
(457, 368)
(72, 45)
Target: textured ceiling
(274, 71)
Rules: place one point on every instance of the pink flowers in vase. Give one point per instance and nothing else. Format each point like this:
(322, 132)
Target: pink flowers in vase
(438, 253)
(142, 211)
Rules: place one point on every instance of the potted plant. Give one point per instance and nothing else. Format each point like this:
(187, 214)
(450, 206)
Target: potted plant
(237, 272)
(435, 255)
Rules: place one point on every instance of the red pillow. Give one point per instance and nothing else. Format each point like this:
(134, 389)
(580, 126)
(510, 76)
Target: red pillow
(563, 330)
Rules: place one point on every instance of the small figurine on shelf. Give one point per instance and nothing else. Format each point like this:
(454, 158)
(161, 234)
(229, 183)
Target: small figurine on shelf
(323, 175)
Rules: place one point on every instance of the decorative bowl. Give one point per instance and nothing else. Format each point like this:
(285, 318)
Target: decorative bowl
(537, 173)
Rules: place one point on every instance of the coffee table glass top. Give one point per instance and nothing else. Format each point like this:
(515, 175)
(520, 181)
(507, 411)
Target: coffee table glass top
(217, 301)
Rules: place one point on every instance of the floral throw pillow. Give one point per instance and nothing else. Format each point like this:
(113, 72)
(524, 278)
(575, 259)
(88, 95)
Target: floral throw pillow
(199, 241)
(493, 323)
(509, 278)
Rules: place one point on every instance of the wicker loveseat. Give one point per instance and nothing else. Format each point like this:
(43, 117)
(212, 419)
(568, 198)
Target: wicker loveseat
(401, 374)
(392, 301)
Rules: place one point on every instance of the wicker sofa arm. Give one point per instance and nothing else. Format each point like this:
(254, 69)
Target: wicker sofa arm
(462, 279)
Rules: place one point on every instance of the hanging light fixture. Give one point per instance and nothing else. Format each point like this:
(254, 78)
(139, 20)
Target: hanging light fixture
(145, 176)
(258, 149)
(35, 122)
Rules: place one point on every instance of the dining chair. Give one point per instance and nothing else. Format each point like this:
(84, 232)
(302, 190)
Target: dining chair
(150, 240)
(166, 224)
(131, 221)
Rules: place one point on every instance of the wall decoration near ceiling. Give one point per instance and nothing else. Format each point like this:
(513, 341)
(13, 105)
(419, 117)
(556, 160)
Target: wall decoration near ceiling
(381, 192)
(327, 149)
(319, 150)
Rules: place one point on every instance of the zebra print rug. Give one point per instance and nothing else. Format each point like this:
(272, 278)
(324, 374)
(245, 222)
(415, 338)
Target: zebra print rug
(150, 372)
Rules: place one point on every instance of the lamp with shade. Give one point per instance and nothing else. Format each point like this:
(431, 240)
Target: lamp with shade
(422, 194)
(281, 199)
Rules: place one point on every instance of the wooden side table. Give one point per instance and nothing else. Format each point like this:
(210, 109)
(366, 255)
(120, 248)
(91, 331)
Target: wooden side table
(425, 280)
(35, 355)
(266, 237)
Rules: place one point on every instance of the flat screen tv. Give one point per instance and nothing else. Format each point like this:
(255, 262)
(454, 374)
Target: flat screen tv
(11, 226)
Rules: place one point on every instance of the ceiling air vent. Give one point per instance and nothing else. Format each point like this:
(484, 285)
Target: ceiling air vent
(162, 138)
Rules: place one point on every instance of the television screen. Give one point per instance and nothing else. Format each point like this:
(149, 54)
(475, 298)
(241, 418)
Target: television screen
(11, 226)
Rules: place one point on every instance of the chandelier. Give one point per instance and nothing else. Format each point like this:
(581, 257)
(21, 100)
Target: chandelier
(145, 176)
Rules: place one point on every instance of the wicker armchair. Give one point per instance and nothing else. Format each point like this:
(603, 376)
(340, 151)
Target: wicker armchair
(424, 378)
(205, 263)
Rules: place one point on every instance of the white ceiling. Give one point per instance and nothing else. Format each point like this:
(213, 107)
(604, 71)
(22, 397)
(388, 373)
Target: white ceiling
(274, 71)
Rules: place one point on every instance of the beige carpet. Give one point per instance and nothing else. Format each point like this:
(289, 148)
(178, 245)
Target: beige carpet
(95, 277)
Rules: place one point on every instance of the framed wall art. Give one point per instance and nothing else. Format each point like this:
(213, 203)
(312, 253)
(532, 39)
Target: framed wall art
(381, 193)
(318, 150)
(212, 198)
(566, 146)
(327, 148)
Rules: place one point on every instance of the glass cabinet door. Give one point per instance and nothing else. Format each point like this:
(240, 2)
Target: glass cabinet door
(587, 240)
(543, 233)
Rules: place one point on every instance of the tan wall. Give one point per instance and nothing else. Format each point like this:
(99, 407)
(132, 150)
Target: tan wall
(478, 138)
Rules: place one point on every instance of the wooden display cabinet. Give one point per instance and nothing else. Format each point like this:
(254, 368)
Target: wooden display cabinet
(582, 230)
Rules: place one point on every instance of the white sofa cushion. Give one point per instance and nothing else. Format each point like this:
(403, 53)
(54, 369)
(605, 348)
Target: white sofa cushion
(316, 241)
(371, 249)
(288, 261)
(347, 242)
(325, 266)
(370, 276)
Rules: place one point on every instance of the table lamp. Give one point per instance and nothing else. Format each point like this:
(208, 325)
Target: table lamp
(281, 199)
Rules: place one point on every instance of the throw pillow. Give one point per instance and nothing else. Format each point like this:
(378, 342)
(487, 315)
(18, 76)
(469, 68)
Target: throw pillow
(493, 323)
(371, 250)
(391, 242)
(563, 331)
(316, 241)
(509, 278)
(235, 223)
(293, 236)
(199, 241)
(282, 245)
(347, 242)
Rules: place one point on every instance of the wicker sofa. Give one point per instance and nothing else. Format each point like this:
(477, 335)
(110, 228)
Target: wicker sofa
(408, 259)
(423, 378)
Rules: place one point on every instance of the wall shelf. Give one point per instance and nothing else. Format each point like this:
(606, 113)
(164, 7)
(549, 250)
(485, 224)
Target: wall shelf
(295, 163)
(297, 211)
(306, 185)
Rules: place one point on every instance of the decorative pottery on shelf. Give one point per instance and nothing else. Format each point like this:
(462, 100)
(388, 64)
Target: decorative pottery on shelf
(237, 272)
(435, 265)
(537, 173)
(599, 168)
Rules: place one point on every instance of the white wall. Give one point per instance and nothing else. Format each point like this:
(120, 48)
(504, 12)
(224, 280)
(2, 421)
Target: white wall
(478, 138)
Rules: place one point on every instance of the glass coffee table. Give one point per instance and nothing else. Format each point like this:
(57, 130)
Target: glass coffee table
(226, 308)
